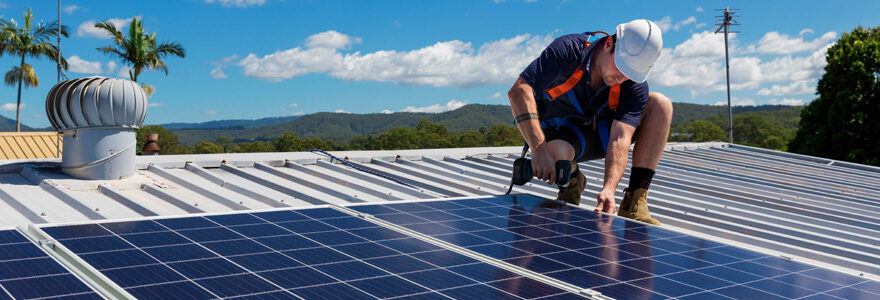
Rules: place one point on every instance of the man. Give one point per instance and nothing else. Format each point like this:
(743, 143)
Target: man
(579, 118)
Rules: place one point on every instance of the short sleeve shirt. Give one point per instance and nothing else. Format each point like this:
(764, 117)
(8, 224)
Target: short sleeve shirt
(560, 60)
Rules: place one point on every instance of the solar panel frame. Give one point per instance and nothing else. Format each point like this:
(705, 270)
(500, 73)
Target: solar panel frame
(192, 222)
(669, 243)
(20, 255)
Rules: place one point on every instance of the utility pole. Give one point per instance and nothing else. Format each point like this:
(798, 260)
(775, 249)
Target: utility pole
(724, 24)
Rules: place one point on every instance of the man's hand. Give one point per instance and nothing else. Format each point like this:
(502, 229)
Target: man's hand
(543, 165)
(606, 201)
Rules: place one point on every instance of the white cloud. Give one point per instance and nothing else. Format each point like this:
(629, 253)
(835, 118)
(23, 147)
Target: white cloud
(111, 67)
(155, 104)
(387, 111)
(791, 68)
(238, 3)
(737, 102)
(690, 20)
(805, 31)
(87, 28)
(700, 25)
(776, 43)
(436, 108)
(699, 9)
(451, 63)
(212, 112)
(217, 73)
(78, 65)
(331, 39)
(69, 9)
(342, 111)
(290, 63)
(123, 72)
(10, 107)
(795, 88)
(496, 95)
(697, 64)
(786, 102)
(296, 113)
(667, 24)
(292, 105)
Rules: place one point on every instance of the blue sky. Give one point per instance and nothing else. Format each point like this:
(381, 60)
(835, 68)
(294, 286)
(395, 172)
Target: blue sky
(249, 59)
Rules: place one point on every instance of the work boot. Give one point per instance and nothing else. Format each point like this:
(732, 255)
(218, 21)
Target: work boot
(635, 206)
(572, 191)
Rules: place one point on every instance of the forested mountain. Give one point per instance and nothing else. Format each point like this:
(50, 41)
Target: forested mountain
(230, 124)
(344, 126)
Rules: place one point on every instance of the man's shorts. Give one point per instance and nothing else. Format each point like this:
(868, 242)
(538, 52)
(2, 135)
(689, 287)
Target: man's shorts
(592, 144)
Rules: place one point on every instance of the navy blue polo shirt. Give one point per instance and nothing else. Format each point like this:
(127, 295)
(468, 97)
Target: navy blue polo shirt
(561, 58)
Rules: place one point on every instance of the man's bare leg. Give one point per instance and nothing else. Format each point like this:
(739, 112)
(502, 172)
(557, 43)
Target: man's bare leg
(653, 133)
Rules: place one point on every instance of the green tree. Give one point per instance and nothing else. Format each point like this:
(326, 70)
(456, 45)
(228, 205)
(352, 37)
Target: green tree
(313, 143)
(207, 147)
(139, 50)
(258, 146)
(842, 122)
(705, 131)
(288, 142)
(502, 135)
(29, 40)
(753, 130)
(226, 142)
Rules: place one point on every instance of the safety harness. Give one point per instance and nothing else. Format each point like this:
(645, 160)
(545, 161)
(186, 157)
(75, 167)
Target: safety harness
(566, 89)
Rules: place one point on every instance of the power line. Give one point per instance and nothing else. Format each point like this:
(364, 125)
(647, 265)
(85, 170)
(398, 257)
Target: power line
(724, 24)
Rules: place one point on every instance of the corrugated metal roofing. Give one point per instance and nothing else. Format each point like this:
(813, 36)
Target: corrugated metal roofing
(27, 145)
(810, 209)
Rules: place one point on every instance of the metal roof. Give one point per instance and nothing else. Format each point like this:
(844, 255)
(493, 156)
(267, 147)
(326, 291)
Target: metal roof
(23, 145)
(809, 209)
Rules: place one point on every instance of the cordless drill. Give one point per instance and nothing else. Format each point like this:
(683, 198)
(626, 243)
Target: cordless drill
(522, 171)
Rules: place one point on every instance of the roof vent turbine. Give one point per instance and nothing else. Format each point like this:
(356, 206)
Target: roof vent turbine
(99, 117)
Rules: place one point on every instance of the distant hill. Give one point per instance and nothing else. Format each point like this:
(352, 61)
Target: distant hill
(687, 112)
(7, 124)
(344, 126)
(230, 124)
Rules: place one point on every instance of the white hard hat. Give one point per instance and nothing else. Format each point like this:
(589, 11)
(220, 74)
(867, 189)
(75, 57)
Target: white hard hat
(638, 46)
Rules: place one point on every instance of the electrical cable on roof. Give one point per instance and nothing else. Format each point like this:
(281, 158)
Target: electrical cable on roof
(374, 172)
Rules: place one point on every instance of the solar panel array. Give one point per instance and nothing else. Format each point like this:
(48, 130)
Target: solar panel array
(310, 253)
(27, 272)
(620, 259)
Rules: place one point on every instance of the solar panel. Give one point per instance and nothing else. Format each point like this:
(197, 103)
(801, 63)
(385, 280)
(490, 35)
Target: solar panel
(619, 258)
(310, 253)
(27, 272)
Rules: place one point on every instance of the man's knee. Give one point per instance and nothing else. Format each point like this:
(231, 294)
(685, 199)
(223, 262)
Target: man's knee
(659, 103)
(561, 150)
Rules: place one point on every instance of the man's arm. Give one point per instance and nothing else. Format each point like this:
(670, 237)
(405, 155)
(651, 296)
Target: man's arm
(525, 112)
(616, 158)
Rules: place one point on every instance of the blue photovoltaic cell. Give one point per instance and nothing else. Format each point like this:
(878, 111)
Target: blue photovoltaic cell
(310, 253)
(27, 272)
(619, 258)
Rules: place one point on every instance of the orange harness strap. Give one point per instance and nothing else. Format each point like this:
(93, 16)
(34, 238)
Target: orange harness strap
(569, 84)
(613, 96)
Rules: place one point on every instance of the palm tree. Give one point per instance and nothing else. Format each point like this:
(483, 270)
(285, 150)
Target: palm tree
(139, 50)
(33, 40)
